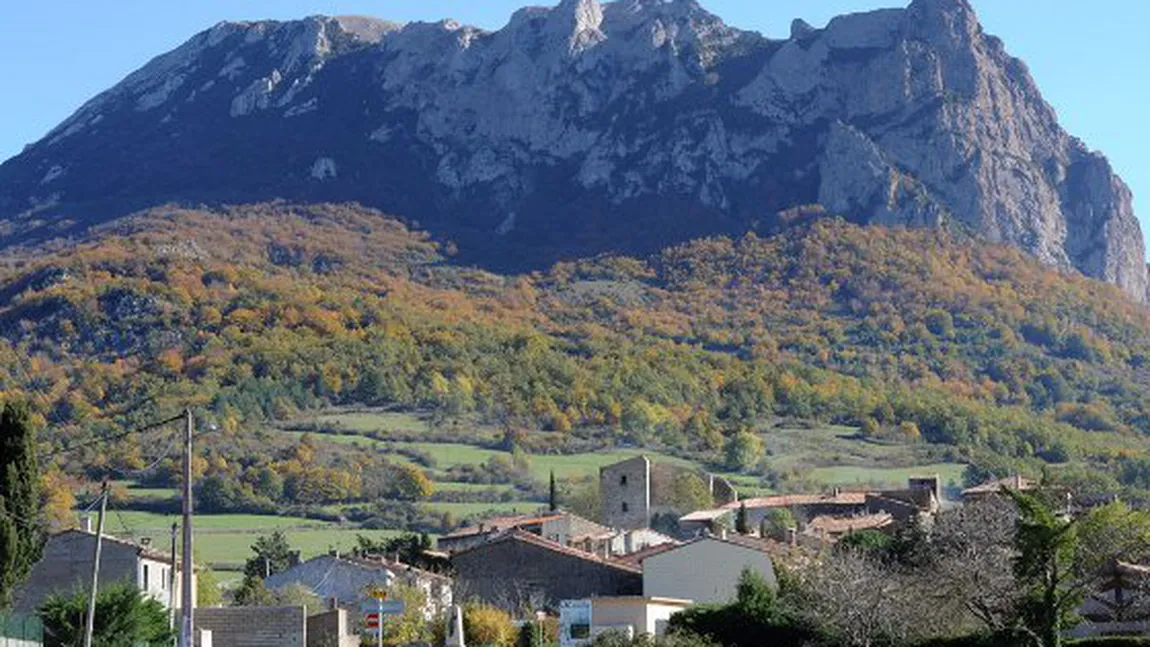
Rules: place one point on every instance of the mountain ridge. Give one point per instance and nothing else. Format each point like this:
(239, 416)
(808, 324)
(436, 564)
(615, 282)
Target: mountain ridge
(591, 127)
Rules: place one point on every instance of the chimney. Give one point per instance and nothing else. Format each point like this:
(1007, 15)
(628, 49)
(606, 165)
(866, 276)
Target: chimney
(792, 536)
(837, 491)
(482, 526)
(723, 533)
(1018, 482)
(332, 603)
(87, 521)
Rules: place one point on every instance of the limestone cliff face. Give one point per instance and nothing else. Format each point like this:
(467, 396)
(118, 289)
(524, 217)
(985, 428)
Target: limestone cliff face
(588, 127)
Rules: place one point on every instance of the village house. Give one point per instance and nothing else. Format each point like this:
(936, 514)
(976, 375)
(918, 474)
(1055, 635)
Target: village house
(563, 528)
(707, 569)
(560, 527)
(996, 487)
(66, 567)
(580, 621)
(520, 569)
(346, 580)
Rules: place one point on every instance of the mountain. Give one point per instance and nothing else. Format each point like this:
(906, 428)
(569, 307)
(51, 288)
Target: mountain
(588, 128)
(275, 311)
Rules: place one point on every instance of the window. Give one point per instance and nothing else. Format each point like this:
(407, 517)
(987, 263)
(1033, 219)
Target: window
(623, 480)
(625, 507)
(146, 581)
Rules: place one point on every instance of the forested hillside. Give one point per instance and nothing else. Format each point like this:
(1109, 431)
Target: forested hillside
(261, 312)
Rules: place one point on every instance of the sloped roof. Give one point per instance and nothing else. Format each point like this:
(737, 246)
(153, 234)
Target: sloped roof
(758, 544)
(842, 525)
(705, 515)
(994, 486)
(535, 540)
(498, 524)
(792, 500)
(638, 556)
(143, 551)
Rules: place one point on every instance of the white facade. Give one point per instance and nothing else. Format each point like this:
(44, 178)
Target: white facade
(706, 570)
(580, 621)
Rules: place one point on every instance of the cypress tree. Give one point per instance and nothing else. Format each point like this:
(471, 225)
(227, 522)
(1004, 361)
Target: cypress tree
(741, 525)
(21, 528)
(553, 494)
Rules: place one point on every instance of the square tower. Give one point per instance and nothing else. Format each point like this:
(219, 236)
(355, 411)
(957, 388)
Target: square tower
(625, 489)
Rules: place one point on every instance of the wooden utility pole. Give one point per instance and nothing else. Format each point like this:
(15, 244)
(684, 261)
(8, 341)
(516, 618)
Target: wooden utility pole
(188, 592)
(90, 627)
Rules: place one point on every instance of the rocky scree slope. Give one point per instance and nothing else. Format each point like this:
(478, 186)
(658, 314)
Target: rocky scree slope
(591, 127)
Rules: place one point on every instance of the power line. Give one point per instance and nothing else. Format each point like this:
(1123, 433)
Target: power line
(111, 438)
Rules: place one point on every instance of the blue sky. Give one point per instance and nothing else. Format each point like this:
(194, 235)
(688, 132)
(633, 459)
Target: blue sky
(1091, 59)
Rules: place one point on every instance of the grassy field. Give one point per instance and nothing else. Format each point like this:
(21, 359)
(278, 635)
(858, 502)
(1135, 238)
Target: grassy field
(951, 473)
(369, 421)
(461, 510)
(232, 549)
(225, 540)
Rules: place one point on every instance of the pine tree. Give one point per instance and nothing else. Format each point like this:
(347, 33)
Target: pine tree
(21, 527)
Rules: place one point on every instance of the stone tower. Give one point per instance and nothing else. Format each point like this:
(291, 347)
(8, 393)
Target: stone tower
(625, 489)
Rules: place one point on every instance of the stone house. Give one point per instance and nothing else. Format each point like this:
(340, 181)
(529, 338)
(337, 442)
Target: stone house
(633, 492)
(707, 569)
(66, 567)
(345, 580)
(995, 488)
(520, 569)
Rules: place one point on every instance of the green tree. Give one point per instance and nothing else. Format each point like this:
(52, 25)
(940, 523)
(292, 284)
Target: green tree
(776, 523)
(21, 526)
(744, 451)
(1045, 546)
(741, 525)
(552, 494)
(207, 588)
(273, 554)
(125, 617)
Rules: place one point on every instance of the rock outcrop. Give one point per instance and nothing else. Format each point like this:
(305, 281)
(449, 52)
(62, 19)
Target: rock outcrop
(588, 127)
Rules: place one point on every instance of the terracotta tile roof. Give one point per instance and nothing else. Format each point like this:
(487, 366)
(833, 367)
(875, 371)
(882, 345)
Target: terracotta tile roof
(498, 524)
(768, 546)
(1020, 483)
(705, 515)
(792, 500)
(638, 556)
(528, 538)
(842, 525)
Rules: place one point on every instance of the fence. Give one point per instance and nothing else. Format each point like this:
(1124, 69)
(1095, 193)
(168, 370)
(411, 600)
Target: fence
(21, 630)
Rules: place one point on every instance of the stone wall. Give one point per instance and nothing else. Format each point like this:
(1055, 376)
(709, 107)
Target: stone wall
(625, 489)
(255, 626)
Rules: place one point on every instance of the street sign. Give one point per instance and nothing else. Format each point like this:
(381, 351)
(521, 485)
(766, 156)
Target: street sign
(392, 608)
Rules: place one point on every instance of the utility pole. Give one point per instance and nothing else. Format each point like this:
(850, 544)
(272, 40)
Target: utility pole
(188, 593)
(90, 628)
(172, 579)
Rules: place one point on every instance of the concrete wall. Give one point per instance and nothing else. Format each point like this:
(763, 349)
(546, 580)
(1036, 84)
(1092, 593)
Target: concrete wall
(512, 572)
(330, 630)
(625, 489)
(643, 615)
(255, 626)
(706, 571)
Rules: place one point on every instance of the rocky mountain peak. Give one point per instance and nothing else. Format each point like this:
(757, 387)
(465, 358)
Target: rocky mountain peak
(588, 126)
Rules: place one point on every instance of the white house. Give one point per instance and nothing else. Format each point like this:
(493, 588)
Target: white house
(66, 567)
(580, 621)
(707, 569)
